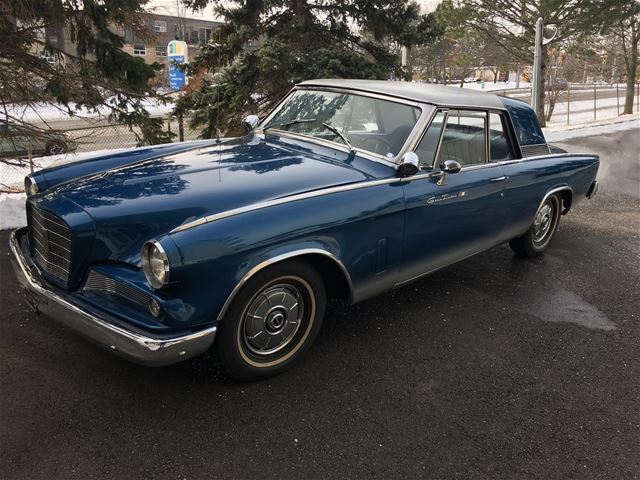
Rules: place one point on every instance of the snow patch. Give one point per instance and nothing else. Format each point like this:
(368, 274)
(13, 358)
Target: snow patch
(12, 210)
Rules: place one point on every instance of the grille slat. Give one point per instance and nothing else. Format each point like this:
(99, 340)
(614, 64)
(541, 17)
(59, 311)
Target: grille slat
(98, 282)
(51, 243)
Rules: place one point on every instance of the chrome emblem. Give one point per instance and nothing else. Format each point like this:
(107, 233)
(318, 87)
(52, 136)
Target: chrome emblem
(446, 196)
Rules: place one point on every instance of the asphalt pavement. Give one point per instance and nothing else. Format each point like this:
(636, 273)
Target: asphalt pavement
(494, 368)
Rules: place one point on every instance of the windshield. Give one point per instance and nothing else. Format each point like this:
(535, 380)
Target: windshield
(378, 126)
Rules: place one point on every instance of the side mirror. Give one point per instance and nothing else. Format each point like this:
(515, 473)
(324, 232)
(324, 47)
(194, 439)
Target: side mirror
(250, 122)
(450, 166)
(409, 165)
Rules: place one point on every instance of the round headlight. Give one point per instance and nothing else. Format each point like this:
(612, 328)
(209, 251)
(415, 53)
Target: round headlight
(30, 186)
(155, 264)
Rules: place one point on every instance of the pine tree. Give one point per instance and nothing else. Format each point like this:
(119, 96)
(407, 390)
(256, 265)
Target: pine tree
(267, 46)
(95, 74)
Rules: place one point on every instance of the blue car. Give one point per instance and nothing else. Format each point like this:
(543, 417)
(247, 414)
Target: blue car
(346, 189)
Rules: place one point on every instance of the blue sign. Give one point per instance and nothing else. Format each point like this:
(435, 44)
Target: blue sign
(177, 55)
(177, 78)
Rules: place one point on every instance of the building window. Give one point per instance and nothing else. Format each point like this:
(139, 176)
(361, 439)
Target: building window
(161, 51)
(139, 50)
(194, 37)
(160, 26)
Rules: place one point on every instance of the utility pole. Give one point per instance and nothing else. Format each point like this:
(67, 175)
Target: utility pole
(537, 67)
(405, 53)
(543, 36)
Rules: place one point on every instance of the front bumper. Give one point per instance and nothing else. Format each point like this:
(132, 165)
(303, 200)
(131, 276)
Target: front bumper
(142, 348)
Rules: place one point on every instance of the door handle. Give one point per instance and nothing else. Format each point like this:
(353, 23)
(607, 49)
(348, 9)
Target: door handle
(499, 179)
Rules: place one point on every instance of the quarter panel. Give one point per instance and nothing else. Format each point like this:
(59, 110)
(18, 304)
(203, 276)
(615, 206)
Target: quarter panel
(530, 180)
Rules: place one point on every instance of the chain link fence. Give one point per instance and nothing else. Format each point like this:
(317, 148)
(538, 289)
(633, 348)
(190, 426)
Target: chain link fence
(88, 137)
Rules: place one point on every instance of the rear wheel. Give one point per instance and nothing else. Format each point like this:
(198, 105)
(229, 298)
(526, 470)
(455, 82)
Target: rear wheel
(56, 148)
(272, 322)
(539, 235)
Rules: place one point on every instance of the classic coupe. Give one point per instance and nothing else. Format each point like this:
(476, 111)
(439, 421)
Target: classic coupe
(347, 189)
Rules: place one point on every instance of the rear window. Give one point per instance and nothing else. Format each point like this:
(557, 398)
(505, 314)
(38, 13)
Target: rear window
(525, 122)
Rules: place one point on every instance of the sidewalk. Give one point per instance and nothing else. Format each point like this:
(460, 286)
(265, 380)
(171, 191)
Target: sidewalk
(558, 131)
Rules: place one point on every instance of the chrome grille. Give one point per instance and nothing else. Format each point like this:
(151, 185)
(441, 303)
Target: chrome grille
(51, 243)
(98, 282)
(534, 150)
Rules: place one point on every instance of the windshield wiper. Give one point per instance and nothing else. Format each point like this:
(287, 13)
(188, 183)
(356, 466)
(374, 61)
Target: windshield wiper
(290, 123)
(352, 151)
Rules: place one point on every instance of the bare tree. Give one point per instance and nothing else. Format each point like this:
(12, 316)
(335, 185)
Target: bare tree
(511, 24)
(627, 30)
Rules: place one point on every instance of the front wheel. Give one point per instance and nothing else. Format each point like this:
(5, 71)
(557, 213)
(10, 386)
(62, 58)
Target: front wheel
(272, 322)
(539, 235)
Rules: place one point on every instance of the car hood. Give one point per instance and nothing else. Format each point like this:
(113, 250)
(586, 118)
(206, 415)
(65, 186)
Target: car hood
(132, 204)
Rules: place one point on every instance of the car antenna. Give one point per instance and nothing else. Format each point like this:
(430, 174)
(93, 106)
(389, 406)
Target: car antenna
(218, 90)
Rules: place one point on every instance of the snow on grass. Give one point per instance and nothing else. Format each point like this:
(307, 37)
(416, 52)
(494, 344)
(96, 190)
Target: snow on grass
(46, 112)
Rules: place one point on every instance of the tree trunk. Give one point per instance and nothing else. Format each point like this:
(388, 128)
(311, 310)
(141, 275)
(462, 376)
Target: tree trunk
(632, 67)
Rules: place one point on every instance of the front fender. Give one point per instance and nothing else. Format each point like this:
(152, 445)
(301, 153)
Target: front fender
(359, 230)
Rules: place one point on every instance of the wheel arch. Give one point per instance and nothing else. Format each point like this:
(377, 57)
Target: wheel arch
(565, 192)
(331, 269)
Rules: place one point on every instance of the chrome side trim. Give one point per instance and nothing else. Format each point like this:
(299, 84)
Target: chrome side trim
(280, 201)
(143, 349)
(279, 258)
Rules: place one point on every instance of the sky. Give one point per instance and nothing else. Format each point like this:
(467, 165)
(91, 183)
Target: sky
(170, 7)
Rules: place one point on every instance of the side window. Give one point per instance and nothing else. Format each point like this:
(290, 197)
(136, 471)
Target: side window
(464, 138)
(426, 149)
(363, 116)
(498, 143)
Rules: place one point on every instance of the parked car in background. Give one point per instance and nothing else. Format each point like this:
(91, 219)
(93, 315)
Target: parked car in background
(472, 80)
(16, 141)
(348, 189)
(558, 84)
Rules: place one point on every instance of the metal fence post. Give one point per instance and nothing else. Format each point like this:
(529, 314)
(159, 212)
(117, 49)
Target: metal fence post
(617, 99)
(180, 128)
(30, 157)
(594, 101)
(568, 101)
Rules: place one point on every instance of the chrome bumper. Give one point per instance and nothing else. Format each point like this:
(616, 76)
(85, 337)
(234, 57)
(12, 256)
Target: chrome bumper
(143, 349)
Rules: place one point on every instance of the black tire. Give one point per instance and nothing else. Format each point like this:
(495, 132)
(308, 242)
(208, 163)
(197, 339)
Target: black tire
(537, 239)
(56, 148)
(272, 322)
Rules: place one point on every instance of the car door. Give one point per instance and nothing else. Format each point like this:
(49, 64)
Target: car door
(451, 216)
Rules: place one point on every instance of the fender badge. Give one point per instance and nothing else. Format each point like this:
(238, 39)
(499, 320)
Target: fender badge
(446, 196)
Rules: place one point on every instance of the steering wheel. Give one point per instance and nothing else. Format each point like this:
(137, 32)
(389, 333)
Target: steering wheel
(377, 142)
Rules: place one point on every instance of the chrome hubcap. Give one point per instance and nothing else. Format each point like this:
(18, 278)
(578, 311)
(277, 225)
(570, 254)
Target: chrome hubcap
(542, 223)
(56, 149)
(273, 318)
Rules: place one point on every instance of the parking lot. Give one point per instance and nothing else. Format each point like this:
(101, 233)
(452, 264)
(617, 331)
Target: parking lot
(494, 368)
